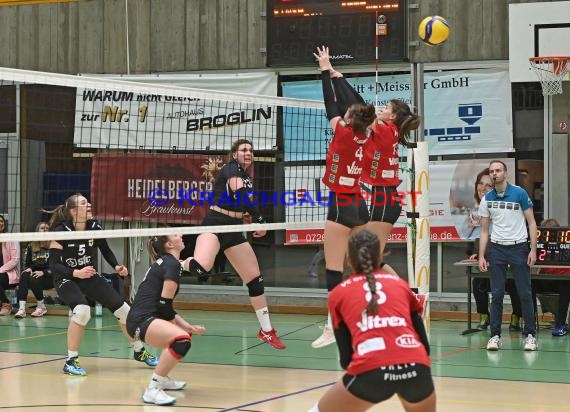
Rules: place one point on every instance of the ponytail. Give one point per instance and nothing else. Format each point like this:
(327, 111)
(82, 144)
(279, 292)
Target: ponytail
(61, 213)
(367, 264)
(364, 256)
(405, 120)
(155, 246)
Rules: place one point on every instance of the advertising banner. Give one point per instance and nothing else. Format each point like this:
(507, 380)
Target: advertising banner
(465, 112)
(152, 188)
(452, 200)
(127, 119)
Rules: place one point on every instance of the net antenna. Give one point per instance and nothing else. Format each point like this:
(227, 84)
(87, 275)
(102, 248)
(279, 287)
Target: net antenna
(381, 30)
(550, 70)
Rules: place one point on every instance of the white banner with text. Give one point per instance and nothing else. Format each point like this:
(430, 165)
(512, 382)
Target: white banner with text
(130, 119)
(465, 112)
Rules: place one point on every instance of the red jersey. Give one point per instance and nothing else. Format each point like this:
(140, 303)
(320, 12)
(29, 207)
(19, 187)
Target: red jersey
(381, 162)
(344, 159)
(387, 338)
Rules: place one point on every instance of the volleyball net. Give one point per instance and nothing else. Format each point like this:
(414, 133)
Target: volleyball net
(146, 156)
(149, 154)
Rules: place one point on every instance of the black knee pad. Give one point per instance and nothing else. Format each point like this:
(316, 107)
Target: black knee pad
(334, 277)
(256, 287)
(196, 269)
(180, 346)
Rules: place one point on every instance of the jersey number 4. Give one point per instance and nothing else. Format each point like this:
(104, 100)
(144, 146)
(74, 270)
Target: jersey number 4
(359, 154)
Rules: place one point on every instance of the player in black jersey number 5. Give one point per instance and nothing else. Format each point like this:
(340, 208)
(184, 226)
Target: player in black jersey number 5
(153, 319)
(75, 278)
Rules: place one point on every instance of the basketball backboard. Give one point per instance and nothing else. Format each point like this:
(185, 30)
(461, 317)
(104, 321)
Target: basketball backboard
(537, 29)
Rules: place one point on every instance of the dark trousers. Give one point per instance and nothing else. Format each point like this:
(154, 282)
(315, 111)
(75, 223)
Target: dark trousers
(515, 256)
(481, 289)
(38, 285)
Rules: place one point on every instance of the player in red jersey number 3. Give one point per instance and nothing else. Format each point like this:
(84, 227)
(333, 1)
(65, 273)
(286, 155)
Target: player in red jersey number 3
(380, 335)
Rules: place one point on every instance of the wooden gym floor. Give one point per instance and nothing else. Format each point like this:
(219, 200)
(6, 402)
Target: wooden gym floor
(228, 369)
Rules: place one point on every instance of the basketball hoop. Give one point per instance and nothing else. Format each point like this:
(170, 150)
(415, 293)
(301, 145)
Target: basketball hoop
(550, 71)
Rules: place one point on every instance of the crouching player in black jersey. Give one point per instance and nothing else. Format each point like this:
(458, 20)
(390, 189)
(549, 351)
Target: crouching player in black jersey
(153, 319)
(75, 278)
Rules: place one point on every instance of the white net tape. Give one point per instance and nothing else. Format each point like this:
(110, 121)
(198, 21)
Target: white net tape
(153, 231)
(550, 73)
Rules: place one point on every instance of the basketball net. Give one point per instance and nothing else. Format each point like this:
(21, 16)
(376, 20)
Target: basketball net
(550, 72)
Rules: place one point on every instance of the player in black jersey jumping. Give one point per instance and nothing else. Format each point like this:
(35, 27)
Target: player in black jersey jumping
(75, 278)
(230, 203)
(153, 319)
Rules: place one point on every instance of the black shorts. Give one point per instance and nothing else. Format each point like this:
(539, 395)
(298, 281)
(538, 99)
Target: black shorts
(74, 292)
(412, 382)
(348, 209)
(137, 328)
(385, 205)
(227, 240)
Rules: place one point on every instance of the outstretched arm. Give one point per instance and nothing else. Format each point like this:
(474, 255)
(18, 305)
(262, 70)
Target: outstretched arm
(333, 110)
(345, 93)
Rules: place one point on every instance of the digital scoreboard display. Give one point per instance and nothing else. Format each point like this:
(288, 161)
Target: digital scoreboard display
(349, 28)
(553, 246)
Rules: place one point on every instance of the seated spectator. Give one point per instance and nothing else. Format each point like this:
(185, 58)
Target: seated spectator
(36, 275)
(9, 273)
(561, 287)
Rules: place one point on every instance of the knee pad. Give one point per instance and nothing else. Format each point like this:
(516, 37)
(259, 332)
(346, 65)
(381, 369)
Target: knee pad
(255, 287)
(180, 346)
(81, 314)
(122, 312)
(196, 269)
(333, 278)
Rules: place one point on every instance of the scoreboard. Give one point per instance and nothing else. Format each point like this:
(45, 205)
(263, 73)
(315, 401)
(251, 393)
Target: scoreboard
(349, 28)
(553, 246)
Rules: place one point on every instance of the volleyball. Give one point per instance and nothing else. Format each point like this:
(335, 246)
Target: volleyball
(433, 30)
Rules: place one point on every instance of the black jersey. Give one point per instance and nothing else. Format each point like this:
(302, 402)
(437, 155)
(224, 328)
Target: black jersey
(224, 196)
(79, 253)
(37, 260)
(145, 304)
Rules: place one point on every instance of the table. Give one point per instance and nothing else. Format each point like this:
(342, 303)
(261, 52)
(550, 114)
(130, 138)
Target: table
(470, 264)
